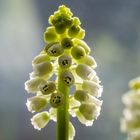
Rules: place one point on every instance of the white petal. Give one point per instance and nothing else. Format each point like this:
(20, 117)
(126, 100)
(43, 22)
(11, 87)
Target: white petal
(78, 80)
(32, 75)
(53, 114)
(83, 44)
(40, 58)
(85, 72)
(96, 79)
(71, 131)
(43, 69)
(92, 88)
(131, 99)
(28, 104)
(90, 110)
(88, 60)
(82, 119)
(94, 100)
(40, 120)
(31, 86)
(36, 103)
(74, 104)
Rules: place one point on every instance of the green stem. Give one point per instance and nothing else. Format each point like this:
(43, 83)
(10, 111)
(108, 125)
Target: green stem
(62, 112)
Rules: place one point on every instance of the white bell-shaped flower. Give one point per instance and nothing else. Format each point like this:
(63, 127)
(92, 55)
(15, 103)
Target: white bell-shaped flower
(40, 120)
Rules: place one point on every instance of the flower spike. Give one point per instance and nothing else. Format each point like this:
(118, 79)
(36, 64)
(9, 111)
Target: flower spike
(130, 123)
(64, 78)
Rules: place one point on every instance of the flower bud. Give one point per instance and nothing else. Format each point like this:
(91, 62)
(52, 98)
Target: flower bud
(66, 10)
(40, 120)
(67, 78)
(81, 95)
(55, 50)
(40, 58)
(81, 34)
(85, 72)
(135, 83)
(66, 43)
(76, 21)
(92, 88)
(88, 60)
(89, 111)
(64, 61)
(49, 45)
(36, 104)
(50, 35)
(56, 100)
(78, 52)
(60, 27)
(63, 15)
(43, 68)
(83, 44)
(31, 85)
(68, 22)
(73, 31)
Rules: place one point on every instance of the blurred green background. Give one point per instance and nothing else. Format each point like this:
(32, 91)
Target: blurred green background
(113, 32)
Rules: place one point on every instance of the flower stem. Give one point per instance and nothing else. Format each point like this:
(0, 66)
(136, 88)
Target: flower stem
(62, 111)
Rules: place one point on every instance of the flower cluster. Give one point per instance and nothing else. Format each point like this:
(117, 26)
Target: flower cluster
(64, 63)
(131, 121)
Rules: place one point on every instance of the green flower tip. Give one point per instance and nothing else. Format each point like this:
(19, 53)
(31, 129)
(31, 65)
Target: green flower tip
(62, 21)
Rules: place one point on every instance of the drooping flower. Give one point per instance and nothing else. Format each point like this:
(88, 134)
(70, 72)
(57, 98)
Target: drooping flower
(64, 63)
(130, 123)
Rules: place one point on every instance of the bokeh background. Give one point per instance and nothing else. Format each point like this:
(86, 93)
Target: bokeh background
(113, 32)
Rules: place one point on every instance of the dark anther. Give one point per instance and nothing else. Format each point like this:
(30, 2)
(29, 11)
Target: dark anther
(65, 62)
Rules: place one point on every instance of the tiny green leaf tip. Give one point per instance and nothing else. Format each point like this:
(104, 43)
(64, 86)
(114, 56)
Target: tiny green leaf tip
(63, 81)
